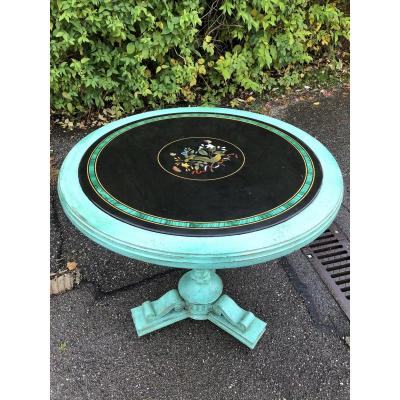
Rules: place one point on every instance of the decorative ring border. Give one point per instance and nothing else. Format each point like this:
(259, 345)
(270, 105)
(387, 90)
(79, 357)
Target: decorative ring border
(112, 201)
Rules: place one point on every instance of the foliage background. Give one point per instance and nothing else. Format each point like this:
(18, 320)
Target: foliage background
(129, 55)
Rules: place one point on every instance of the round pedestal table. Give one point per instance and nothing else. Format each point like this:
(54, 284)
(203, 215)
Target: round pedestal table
(202, 189)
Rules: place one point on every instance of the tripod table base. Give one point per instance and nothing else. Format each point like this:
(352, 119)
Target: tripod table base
(199, 296)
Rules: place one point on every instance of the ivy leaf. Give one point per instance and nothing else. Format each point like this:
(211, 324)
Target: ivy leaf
(130, 48)
(227, 7)
(202, 70)
(66, 95)
(273, 52)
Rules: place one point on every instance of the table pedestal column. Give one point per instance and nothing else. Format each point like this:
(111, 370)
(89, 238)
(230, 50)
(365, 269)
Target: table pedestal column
(199, 296)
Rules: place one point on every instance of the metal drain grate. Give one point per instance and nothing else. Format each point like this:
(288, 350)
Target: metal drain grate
(330, 256)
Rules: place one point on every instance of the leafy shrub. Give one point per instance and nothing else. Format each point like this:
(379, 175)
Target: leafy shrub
(133, 54)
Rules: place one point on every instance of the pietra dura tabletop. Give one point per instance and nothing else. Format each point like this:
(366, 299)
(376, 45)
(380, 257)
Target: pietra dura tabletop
(203, 189)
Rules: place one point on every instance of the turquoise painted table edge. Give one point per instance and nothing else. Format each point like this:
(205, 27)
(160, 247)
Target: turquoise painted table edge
(199, 294)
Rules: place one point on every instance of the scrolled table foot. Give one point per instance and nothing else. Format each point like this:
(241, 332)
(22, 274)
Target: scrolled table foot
(157, 314)
(241, 324)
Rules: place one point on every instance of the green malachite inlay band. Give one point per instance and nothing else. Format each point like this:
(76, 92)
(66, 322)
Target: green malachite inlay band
(97, 186)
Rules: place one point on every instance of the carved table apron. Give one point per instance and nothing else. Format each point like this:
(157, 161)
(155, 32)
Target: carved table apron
(202, 189)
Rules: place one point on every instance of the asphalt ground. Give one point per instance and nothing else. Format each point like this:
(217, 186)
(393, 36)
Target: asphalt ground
(96, 354)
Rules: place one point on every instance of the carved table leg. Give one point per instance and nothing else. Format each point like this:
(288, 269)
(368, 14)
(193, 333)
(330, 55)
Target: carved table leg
(153, 315)
(241, 324)
(199, 297)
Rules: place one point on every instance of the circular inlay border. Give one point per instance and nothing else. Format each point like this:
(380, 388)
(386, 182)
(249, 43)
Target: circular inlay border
(153, 219)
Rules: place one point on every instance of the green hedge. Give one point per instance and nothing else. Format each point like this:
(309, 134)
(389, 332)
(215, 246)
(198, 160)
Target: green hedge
(127, 55)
